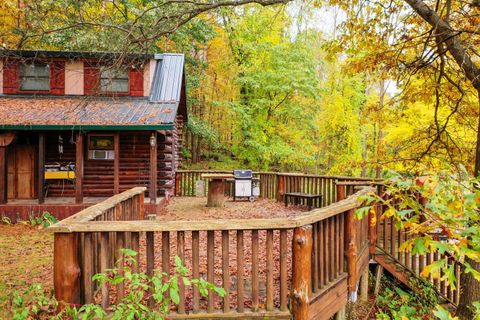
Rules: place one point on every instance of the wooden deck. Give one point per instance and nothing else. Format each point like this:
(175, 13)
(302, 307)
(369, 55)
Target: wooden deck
(306, 266)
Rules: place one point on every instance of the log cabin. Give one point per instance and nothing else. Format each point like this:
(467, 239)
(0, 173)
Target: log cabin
(76, 127)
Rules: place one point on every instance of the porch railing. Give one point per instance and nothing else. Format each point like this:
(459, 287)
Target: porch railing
(311, 260)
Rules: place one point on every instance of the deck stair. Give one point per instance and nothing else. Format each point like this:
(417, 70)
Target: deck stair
(403, 274)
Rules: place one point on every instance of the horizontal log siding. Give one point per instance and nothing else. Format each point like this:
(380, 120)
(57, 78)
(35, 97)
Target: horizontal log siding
(98, 174)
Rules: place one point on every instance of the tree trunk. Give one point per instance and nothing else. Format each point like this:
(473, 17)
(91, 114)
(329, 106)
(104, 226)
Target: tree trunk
(477, 148)
(380, 150)
(469, 293)
(470, 287)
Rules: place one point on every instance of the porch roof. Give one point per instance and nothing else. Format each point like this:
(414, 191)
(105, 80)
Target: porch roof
(87, 113)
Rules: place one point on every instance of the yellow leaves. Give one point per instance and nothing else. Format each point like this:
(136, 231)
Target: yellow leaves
(433, 270)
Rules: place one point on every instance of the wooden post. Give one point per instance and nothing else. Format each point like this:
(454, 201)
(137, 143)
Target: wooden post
(66, 269)
(216, 193)
(3, 175)
(372, 228)
(116, 163)
(280, 187)
(351, 251)
(178, 182)
(364, 286)
(341, 314)
(341, 192)
(79, 168)
(41, 168)
(141, 206)
(301, 271)
(152, 192)
(378, 279)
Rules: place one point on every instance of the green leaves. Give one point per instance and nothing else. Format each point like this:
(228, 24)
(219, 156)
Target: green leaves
(442, 314)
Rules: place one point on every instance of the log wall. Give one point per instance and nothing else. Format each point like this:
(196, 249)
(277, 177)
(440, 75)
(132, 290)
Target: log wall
(134, 163)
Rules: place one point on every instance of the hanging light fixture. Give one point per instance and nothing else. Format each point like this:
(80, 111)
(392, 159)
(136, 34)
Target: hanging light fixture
(153, 141)
(60, 144)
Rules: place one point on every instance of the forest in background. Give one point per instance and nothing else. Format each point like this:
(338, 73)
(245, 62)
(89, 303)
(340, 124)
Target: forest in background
(270, 89)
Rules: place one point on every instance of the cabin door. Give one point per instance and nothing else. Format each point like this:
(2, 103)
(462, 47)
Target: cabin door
(21, 172)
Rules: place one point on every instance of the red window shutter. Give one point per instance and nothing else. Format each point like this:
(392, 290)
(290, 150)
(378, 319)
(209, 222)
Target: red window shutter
(57, 78)
(136, 82)
(91, 79)
(11, 78)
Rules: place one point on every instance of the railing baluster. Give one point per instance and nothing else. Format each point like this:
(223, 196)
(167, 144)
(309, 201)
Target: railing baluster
(315, 251)
(326, 245)
(254, 270)
(321, 254)
(181, 255)
(103, 267)
(136, 248)
(269, 254)
(119, 246)
(196, 268)
(166, 253)
(337, 245)
(87, 269)
(210, 266)
(283, 270)
(226, 269)
(240, 272)
(331, 257)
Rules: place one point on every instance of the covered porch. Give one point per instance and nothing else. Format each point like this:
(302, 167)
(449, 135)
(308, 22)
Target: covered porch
(108, 147)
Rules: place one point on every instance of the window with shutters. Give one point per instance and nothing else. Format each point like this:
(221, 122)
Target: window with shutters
(113, 80)
(34, 77)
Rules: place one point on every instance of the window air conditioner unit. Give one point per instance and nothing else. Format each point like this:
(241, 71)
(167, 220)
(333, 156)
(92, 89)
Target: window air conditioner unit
(101, 154)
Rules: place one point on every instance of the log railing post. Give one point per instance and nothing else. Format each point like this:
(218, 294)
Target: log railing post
(372, 228)
(341, 191)
(141, 206)
(178, 182)
(66, 269)
(301, 271)
(351, 253)
(280, 187)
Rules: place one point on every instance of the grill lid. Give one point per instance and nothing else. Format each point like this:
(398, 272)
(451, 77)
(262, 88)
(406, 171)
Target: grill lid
(242, 174)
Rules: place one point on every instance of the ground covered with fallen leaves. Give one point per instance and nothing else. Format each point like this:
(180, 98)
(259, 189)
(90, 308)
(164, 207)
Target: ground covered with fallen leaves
(26, 256)
(194, 208)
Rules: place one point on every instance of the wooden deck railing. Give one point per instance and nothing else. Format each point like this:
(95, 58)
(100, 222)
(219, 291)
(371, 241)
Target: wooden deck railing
(273, 185)
(312, 259)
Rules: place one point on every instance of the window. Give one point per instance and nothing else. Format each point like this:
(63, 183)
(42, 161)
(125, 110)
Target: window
(100, 147)
(114, 80)
(34, 77)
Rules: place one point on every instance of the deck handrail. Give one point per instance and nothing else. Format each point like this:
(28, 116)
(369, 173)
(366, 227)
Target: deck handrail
(90, 213)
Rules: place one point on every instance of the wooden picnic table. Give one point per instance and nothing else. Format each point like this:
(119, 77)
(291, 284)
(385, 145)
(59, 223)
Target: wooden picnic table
(300, 195)
(216, 188)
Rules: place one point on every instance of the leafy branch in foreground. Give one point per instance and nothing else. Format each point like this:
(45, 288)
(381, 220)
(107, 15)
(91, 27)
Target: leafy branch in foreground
(440, 213)
(139, 287)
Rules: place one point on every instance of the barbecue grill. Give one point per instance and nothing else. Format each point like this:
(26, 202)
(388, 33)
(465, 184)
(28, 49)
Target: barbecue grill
(245, 185)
